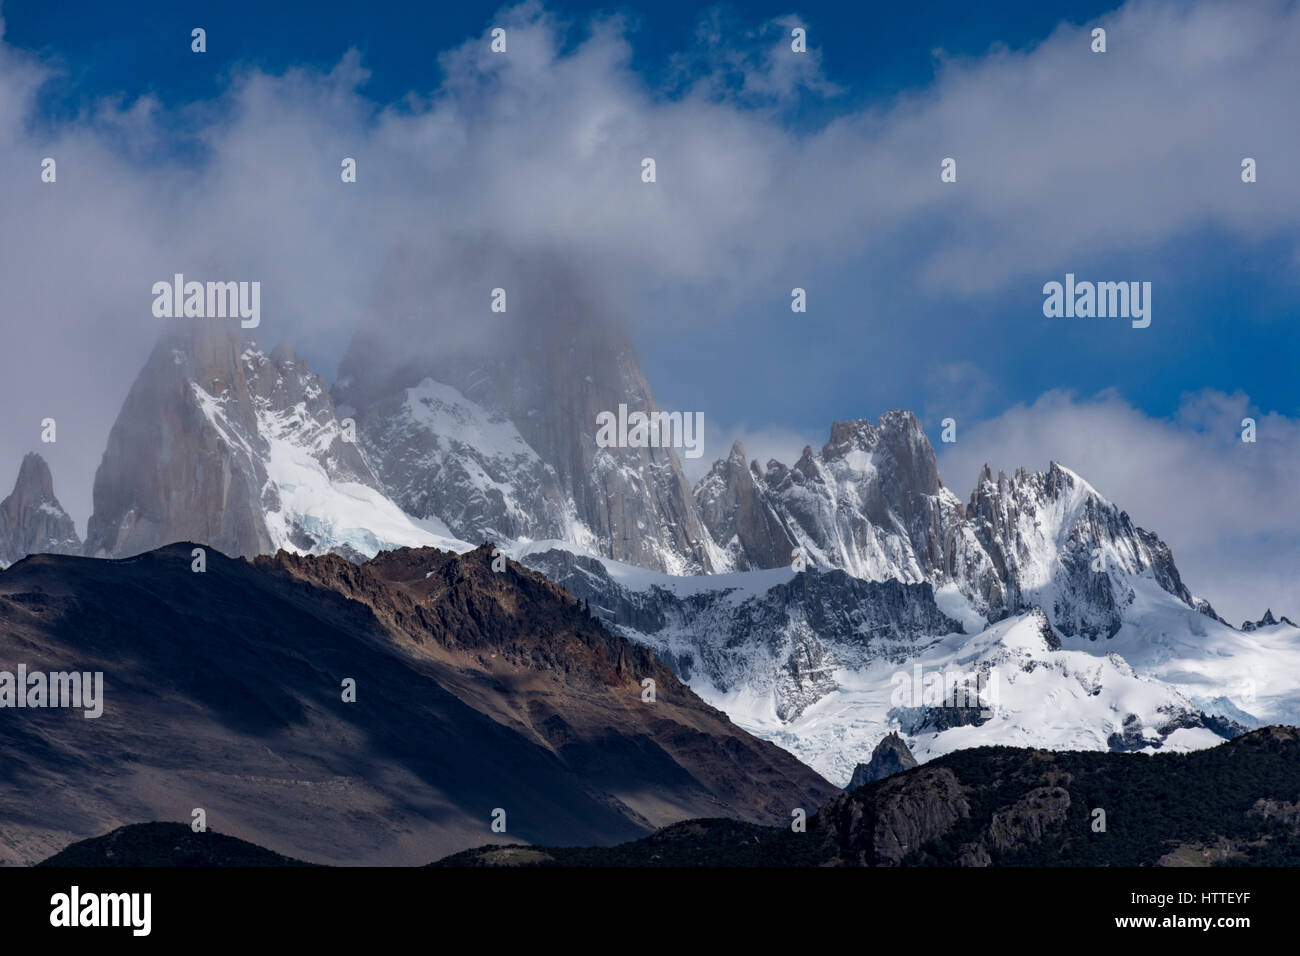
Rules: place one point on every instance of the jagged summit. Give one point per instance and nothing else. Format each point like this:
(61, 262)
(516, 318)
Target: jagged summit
(222, 442)
(1268, 620)
(31, 519)
(898, 441)
(739, 519)
(891, 756)
(34, 478)
(871, 502)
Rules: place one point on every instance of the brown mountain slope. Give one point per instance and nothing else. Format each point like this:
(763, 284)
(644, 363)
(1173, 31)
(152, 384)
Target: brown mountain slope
(475, 690)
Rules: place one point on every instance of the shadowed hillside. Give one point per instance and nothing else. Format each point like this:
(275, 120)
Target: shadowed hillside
(476, 690)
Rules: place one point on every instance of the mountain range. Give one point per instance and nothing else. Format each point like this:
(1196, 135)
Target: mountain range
(800, 600)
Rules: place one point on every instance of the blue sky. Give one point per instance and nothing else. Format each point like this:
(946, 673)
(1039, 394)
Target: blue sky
(878, 49)
(820, 172)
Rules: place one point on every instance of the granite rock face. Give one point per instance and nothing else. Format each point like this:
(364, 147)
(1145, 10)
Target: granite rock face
(172, 473)
(740, 518)
(221, 443)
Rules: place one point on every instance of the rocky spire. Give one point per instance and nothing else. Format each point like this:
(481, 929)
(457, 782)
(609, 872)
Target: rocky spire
(891, 756)
(223, 444)
(31, 519)
(741, 521)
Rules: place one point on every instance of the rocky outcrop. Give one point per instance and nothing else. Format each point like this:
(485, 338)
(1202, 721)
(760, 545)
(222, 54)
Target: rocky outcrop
(1028, 819)
(1018, 826)
(891, 756)
(906, 813)
(1285, 811)
(31, 519)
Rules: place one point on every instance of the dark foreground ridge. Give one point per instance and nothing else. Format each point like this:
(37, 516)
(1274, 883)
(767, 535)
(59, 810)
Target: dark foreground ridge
(166, 844)
(1235, 805)
(476, 690)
